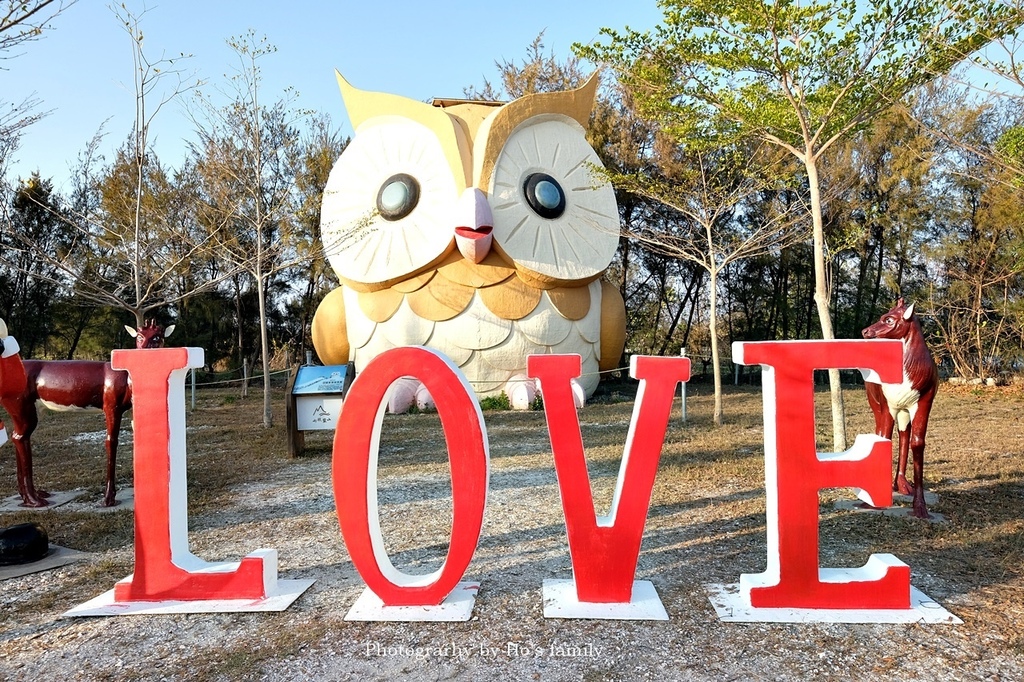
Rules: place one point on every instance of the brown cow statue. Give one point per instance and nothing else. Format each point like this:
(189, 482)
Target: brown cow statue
(906, 404)
(63, 385)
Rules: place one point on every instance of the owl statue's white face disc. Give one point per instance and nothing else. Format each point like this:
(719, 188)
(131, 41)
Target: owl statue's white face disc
(388, 202)
(553, 214)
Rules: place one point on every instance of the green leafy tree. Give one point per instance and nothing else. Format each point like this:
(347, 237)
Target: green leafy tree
(878, 214)
(799, 75)
(30, 287)
(537, 72)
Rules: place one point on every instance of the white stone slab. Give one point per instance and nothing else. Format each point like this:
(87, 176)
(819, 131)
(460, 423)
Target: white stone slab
(104, 605)
(731, 606)
(458, 606)
(930, 498)
(560, 601)
(125, 500)
(56, 499)
(903, 512)
(58, 556)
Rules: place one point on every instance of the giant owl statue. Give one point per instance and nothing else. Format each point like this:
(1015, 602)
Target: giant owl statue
(477, 229)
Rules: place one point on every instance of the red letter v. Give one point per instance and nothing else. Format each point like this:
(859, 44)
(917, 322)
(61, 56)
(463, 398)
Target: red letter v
(604, 550)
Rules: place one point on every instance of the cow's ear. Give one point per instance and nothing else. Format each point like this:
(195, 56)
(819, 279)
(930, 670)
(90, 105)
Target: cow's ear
(908, 312)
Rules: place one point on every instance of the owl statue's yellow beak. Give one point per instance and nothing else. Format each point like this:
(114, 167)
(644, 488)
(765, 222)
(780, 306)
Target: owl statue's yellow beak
(473, 225)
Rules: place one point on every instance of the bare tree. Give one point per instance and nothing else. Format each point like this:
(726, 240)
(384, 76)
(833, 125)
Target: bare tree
(248, 156)
(25, 20)
(726, 208)
(21, 21)
(135, 223)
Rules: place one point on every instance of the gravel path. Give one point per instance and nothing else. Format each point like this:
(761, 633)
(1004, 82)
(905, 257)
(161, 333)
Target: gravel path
(698, 532)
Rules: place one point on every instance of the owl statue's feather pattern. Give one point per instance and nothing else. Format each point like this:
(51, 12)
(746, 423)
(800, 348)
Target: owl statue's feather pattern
(478, 230)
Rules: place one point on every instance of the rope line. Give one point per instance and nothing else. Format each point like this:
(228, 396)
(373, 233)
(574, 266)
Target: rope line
(235, 381)
(283, 371)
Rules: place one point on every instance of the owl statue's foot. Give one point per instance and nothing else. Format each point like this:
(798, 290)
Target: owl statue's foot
(406, 393)
(523, 390)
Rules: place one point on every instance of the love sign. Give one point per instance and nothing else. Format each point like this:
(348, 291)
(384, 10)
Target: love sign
(604, 550)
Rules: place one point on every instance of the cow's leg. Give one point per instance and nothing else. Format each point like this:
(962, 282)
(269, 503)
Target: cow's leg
(25, 420)
(113, 415)
(883, 418)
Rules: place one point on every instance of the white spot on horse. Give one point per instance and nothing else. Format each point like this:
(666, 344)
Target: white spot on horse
(57, 407)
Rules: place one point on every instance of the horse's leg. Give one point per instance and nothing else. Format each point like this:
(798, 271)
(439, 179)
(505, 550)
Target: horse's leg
(113, 415)
(884, 420)
(901, 484)
(918, 429)
(25, 420)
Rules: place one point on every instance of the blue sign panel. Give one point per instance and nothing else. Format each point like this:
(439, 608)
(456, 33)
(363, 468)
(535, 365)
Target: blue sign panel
(314, 379)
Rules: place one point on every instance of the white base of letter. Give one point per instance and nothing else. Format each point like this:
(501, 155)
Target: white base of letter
(560, 601)
(458, 606)
(732, 606)
(286, 592)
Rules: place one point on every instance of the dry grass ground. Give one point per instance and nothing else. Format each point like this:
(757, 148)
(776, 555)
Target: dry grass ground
(706, 524)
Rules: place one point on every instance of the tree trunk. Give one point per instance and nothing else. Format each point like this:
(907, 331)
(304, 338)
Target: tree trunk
(878, 277)
(268, 417)
(821, 299)
(239, 320)
(713, 328)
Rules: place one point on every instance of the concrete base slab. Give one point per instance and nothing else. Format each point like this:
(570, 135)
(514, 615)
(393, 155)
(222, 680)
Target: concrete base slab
(458, 606)
(904, 512)
(125, 501)
(930, 498)
(56, 499)
(731, 606)
(560, 601)
(58, 556)
(104, 605)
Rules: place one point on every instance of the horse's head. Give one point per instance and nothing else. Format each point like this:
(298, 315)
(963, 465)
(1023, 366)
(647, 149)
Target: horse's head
(150, 335)
(895, 324)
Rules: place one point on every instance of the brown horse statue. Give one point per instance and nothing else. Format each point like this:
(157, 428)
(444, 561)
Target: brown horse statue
(906, 404)
(64, 385)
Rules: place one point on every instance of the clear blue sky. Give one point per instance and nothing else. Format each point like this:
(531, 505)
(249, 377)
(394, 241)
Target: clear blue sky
(82, 69)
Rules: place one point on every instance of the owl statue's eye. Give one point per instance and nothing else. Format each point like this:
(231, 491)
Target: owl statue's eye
(544, 195)
(555, 216)
(388, 202)
(398, 196)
